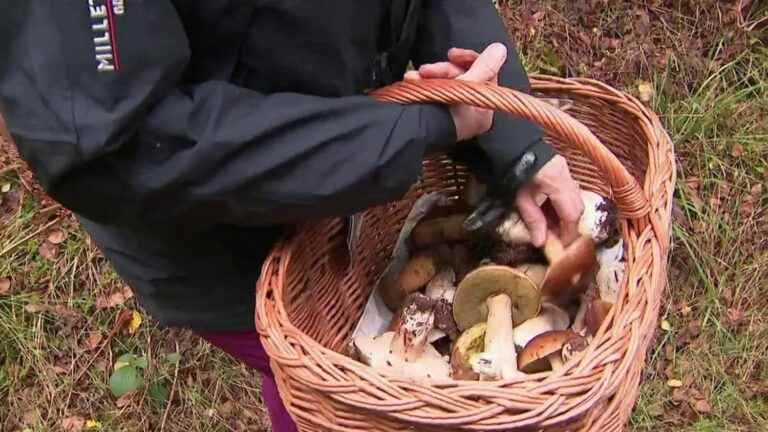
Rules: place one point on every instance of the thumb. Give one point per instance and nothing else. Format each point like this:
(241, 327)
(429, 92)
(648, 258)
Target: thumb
(487, 66)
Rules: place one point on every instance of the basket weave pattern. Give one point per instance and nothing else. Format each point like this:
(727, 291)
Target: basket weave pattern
(310, 298)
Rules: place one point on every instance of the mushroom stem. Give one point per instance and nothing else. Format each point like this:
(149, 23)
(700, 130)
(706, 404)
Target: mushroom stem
(553, 247)
(555, 361)
(500, 358)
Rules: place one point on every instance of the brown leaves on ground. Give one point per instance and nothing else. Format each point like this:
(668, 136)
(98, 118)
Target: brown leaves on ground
(116, 298)
(57, 237)
(734, 317)
(5, 285)
(49, 251)
(72, 424)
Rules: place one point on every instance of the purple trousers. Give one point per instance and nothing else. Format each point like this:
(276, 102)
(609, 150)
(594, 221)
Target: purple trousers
(247, 348)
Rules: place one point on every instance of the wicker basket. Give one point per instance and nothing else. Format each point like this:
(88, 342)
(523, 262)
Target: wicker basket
(309, 299)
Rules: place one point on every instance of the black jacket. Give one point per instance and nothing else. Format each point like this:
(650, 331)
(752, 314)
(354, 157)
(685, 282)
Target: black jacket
(185, 133)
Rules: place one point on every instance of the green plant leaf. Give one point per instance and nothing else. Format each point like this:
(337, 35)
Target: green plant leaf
(124, 380)
(141, 362)
(158, 393)
(125, 360)
(173, 358)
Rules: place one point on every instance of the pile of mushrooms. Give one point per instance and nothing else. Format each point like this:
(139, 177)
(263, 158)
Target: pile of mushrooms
(491, 306)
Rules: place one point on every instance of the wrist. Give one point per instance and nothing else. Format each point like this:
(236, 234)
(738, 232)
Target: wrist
(524, 168)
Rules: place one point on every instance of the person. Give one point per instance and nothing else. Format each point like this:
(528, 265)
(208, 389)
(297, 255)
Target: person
(186, 135)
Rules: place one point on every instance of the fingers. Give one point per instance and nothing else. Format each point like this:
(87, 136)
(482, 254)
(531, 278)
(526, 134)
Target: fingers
(412, 76)
(462, 57)
(569, 208)
(445, 70)
(532, 216)
(487, 66)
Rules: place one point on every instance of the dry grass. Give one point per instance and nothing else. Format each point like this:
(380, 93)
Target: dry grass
(707, 60)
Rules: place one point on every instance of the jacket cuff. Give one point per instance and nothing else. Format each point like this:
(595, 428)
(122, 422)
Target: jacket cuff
(533, 158)
(440, 128)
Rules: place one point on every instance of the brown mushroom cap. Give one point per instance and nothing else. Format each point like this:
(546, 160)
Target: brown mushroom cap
(470, 343)
(469, 303)
(533, 358)
(535, 271)
(415, 274)
(596, 313)
(570, 267)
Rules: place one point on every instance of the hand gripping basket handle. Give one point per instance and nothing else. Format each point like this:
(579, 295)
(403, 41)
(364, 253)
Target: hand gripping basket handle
(627, 192)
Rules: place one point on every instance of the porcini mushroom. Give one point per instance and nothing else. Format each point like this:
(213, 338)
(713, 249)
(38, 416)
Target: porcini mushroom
(513, 231)
(430, 232)
(544, 352)
(414, 326)
(535, 271)
(599, 219)
(442, 290)
(570, 267)
(597, 311)
(502, 297)
(550, 318)
(415, 274)
(375, 351)
(465, 352)
(469, 303)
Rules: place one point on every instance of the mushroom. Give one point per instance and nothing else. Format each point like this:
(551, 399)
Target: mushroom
(513, 231)
(414, 326)
(375, 351)
(441, 289)
(534, 271)
(570, 267)
(446, 229)
(544, 352)
(465, 352)
(415, 274)
(514, 255)
(502, 297)
(469, 303)
(574, 346)
(610, 272)
(597, 311)
(579, 323)
(550, 318)
(599, 219)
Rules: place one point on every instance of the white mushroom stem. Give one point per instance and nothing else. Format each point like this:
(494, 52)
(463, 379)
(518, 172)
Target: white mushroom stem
(499, 360)
(555, 360)
(513, 230)
(550, 318)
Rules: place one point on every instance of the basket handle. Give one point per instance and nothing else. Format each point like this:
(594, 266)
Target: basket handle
(627, 192)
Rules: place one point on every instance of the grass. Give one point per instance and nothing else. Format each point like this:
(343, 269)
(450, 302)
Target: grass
(711, 91)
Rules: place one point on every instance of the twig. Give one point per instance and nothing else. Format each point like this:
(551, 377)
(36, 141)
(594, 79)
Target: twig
(173, 390)
(18, 242)
(122, 319)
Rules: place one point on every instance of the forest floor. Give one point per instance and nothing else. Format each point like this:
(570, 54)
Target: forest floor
(702, 65)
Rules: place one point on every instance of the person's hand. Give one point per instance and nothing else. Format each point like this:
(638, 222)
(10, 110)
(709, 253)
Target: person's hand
(467, 65)
(552, 181)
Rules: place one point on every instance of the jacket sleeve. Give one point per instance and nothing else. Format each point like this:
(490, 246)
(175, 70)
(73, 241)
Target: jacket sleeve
(475, 24)
(108, 125)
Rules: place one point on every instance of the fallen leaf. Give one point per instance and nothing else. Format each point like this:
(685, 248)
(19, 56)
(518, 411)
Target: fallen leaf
(702, 406)
(645, 91)
(225, 409)
(35, 307)
(666, 326)
(57, 237)
(734, 317)
(756, 191)
(669, 351)
(66, 312)
(674, 383)
(737, 151)
(93, 424)
(49, 251)
(5, 188)
(694, 328)
(135, 322)
(93, 341)
(115, 299)
(30, 417)
(5, 285)
(728, 295)
(73, 424)
(685, 310)
(679, 395)
(124, 400)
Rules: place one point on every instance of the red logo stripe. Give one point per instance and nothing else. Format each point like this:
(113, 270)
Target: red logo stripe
(113, 33)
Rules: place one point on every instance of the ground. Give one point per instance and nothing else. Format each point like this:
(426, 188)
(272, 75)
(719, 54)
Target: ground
(707, 65)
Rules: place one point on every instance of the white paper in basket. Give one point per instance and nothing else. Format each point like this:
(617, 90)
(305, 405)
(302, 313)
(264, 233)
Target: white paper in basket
(376, 316)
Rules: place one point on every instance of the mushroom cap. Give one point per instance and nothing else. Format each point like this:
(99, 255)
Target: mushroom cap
(567, 275)
(550, 318)
(600, 218)
(533, 358)
(535, 271)
(469, 303)
(416, 273)
(596, 313)
(470, 344)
